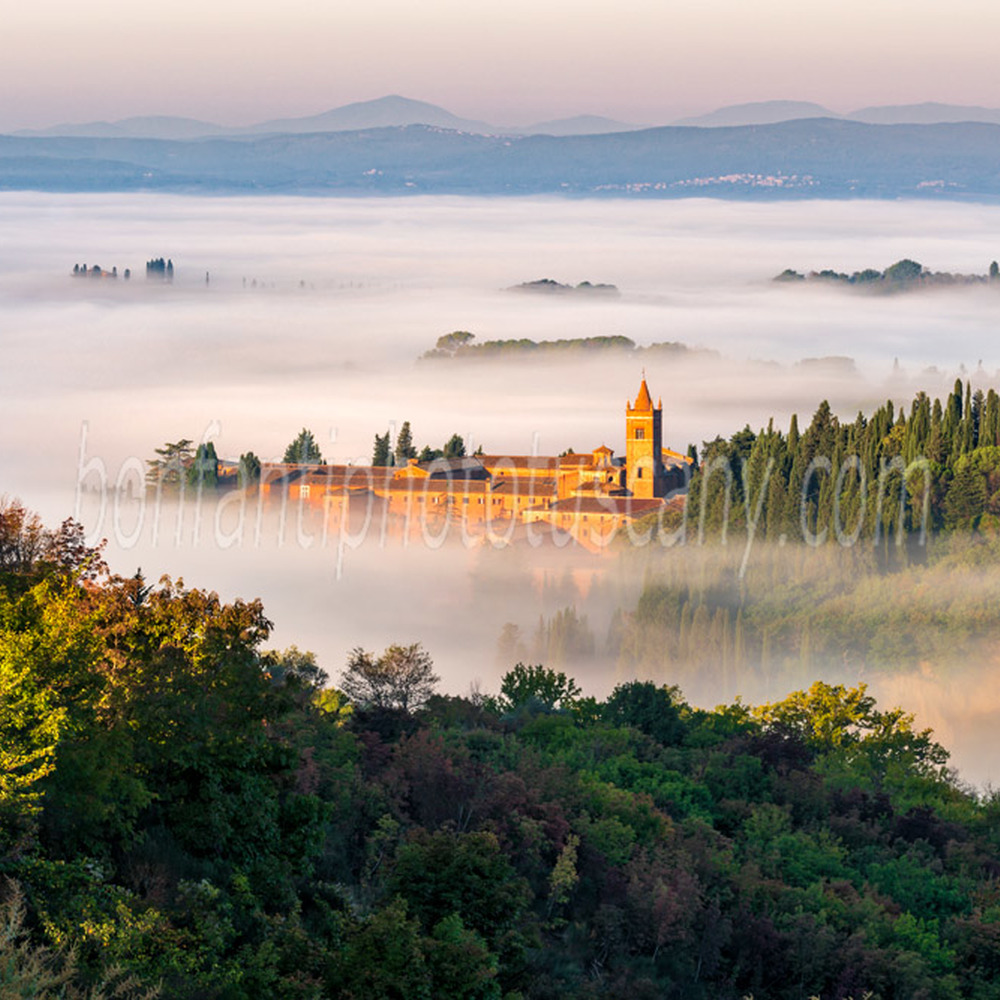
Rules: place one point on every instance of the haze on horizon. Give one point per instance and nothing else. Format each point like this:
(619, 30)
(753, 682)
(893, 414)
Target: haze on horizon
(514, 63)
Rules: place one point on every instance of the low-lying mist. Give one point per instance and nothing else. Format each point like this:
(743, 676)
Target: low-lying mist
(315, 312)
(291, 313)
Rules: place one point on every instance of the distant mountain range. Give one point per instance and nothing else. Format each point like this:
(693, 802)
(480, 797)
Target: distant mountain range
(805, 158)
(384, 112)
(395, 111)
(772, 112)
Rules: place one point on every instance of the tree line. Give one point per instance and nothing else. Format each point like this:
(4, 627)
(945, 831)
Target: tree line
(385, 453)
(893, 476)
(182, 465)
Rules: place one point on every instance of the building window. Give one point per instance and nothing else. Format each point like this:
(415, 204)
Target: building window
(638, 474)
(304, 492)
(640, 433)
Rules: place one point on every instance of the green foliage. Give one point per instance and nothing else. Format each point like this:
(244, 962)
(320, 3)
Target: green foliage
(453, 341)
(650, 709)
(527, 685)
(459, 345)
(30, 723)
(904, 274)
(203, 472)
(303, 450)
(853, 737)
(454, 447)
(383, 960)
(382, 452)
(466, 874)
(401, 678)
(249, 469)
(170, 468)
(187, 811)
(40, 972)
(460, 963)
(904, 270)
(890, 478)
(405, 449)
(293, 667)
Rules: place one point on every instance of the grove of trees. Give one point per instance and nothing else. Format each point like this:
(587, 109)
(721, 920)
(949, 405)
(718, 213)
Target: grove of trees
(898, 473)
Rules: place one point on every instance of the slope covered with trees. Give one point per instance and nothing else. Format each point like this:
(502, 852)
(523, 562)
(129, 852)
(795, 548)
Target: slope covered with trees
(183, 810)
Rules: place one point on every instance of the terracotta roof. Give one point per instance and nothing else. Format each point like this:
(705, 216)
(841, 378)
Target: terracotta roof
(456, 487)
(525, 486)
(351, 476)
(541, 463)
(600, 489)
(457, 468)
(608, 506)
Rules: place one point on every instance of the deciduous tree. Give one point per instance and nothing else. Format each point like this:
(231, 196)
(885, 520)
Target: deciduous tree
(401, 678)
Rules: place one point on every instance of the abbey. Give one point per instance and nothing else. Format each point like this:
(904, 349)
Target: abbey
(588, 495)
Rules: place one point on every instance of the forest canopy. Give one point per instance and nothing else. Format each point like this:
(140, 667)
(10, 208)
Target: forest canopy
(185, 811)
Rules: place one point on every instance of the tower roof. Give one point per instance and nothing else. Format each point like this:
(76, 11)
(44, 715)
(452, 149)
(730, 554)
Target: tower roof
(643, 401)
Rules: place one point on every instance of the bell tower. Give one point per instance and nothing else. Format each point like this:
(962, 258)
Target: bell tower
(644, 445)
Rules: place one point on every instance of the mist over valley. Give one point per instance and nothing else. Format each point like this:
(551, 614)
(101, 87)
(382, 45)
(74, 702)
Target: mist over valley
(316, 313)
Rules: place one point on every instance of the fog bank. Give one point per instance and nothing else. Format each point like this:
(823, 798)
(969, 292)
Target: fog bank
(316, 311)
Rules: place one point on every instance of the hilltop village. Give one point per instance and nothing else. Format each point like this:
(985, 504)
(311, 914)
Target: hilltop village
(589, 495)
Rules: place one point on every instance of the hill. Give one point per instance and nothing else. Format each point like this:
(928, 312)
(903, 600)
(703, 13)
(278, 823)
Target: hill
(185, 813)
(801, 159)
(578, 125)
(383, 112)
(759, 113)
(771, 112)
(929, 113)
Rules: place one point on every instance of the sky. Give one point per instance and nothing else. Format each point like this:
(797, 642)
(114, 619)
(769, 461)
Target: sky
(516, 62)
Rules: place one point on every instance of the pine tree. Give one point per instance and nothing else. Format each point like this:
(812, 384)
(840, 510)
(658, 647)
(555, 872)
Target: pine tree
(454, 447)
(170, 468)
(405, 449)
(204, 470)
(303, 450)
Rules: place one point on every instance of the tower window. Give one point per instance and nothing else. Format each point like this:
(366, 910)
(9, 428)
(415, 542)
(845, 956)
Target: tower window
(640, 433)
(638, 473)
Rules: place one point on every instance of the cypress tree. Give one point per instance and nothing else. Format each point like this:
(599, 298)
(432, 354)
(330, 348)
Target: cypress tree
(381, 455)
